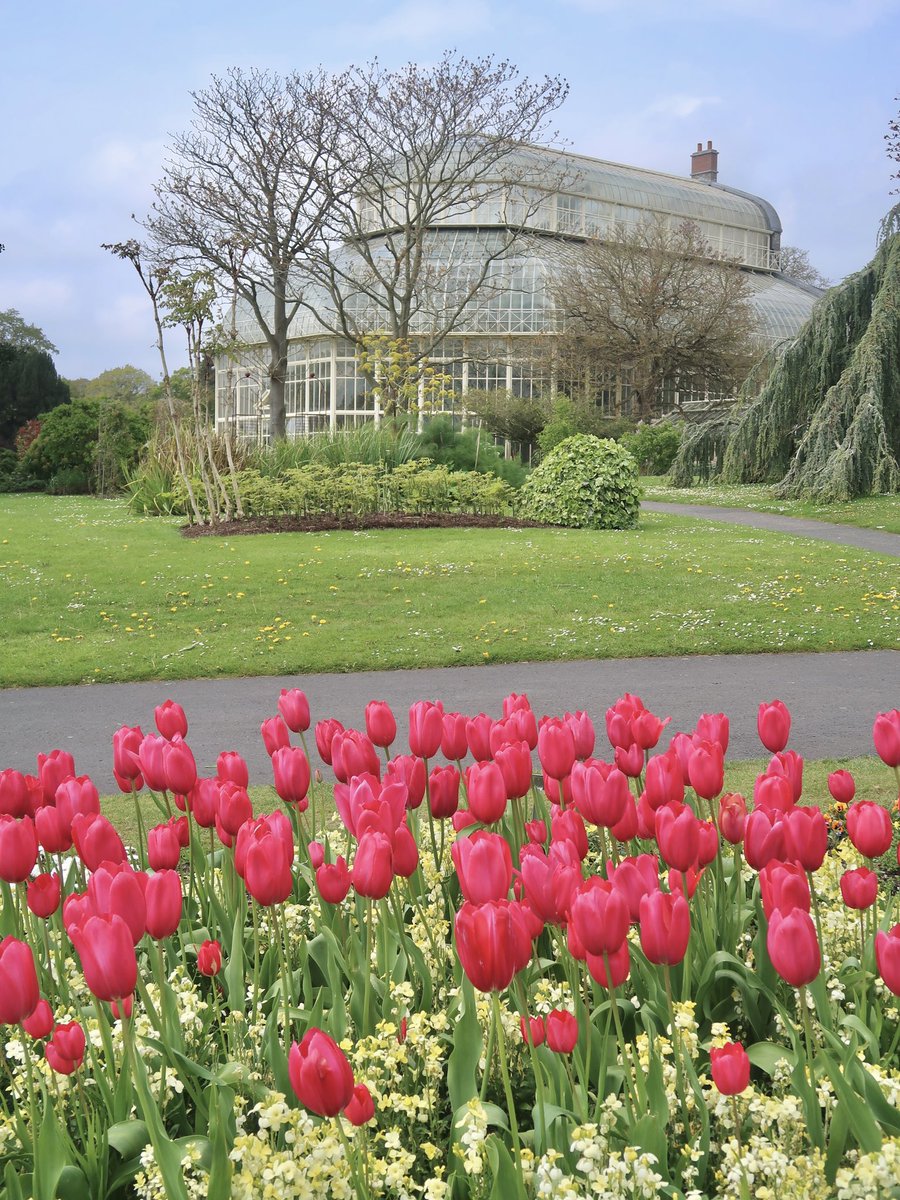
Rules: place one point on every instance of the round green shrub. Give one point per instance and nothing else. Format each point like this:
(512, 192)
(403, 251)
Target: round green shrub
(585, 482)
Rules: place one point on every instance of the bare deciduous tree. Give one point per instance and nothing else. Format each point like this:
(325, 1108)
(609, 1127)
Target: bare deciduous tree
(244, 186)
(431, 147)
(657, 303)
(796, 265)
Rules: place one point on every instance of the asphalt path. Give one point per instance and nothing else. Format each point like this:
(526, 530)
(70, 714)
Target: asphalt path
(833, 697)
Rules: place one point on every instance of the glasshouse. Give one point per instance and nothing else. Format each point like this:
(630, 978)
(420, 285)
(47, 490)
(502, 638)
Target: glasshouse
(496, 287)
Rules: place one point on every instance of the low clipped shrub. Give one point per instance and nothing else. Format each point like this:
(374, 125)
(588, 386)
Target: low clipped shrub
(585, 483)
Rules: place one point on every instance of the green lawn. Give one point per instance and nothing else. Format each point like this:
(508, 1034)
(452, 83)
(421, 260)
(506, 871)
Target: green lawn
(871, 512)
(90, 592)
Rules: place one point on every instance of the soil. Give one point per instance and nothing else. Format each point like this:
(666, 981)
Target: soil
(325, 524)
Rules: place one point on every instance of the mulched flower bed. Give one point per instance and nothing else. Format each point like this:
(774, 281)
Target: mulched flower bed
(370, 521)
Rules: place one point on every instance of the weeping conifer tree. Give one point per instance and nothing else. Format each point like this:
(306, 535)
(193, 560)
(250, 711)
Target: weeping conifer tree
(826, 423)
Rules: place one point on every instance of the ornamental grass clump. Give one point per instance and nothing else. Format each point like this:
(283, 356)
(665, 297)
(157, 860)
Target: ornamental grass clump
(585, 482)
(440, 981)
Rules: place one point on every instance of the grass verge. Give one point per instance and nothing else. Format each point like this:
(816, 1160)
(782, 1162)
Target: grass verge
(869, 512)
(89, 592)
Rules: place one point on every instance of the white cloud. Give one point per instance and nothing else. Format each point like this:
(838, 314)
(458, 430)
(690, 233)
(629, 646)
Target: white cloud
(44, 294)
(833, 18)
(125, 166)
(679, 105)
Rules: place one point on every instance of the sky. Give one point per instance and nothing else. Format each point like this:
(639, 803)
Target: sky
(795, 94)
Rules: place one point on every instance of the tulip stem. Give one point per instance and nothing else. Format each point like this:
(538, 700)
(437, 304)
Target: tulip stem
(818, 915)
(507, 1088)
(282, 961)
(142, 844)
(360, 1184)
(676, 1047)
(620, 1034)
(32, 1108)
(367, 967)
(255, 916)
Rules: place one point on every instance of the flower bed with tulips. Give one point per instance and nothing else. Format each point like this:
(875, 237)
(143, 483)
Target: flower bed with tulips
(446, 982)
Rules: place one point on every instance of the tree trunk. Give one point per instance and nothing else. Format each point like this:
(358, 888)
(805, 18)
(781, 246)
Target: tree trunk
(278, 347)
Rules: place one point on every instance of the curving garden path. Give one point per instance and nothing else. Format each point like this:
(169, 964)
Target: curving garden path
(833, 697)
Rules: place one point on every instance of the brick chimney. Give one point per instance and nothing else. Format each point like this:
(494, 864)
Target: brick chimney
(705, 163)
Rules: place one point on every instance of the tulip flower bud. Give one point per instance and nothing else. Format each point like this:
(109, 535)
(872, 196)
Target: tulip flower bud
(96, 840)
(793, 946)
(646, 729)
(582, 728)
(514, 761)
(486, 792)
(116, 888)
(320, 1074)
(426, 728)
(316, 852)
(869, 828)
(678, 836)
(231, 766)
(40, 1023)
(361, 1108)
(170, 720)
(406, 852)
(665, 927)
(163, 899)
(886, 736)
(713, 727)
(808, 834)
(333, 881)
(663, 781)
(626, 826)
(454, 744)
(859, 888)
(773, 793)
(381, 725)
(209, 958)
(443, 791)
(493, 943)
(765, 838)
(533, 1030)
(234, 807)
(373, 866)
(789, 764)
(556, 747)
(562, 1031)
(275, 734)
(783, 886)
(294, 709)
(773, 723)
(887, 957)
(18, 848)
(163, 848)
(600, 792)
(730, 1068)
(410, 771)
(599, 915)
(732, 817)
(706, 769)
(43, 894)
(842, 786)
(325, 734)
(290, 767)
(53, 769)
(619, 963)
(106, 950)
(633, 878)
(478, 737)
(629, 760)
(152, 763)
(483, 866)
(19, 992)
(13, 793)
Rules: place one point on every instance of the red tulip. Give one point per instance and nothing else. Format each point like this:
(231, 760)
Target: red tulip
(325, 734)
(562, 1031)
(707, 842)
(454, 744)
(18, 848)
(646, 819)
(163, 899)
(170, 719)
(126, 750)
(233, 767)
(765, 838)
(870, 828)
(773, 723)
(789, 764)
(678, 836)
(619, 718)
(163, 848)
(483, 866)
(619, 966)
(556, 747)
(19, 992)
(663, 781)
(533, 1030)
(773, 793)
(808, 834)
(566, 825)
(373, 866)
(44, 892)
(353, 754)
(105, 946)
(40, 1023)
(486, 792)
(599, 915)
(203, 800)
(886, 736)
(13, 793)
(275, 734)
(536, 831)
(406, 852)
(96, 840)
(887, 957)
(410, 771)
(478, 736)
(65, 1050)
(294, 709)
(730, 1068)
(290, 767)
(685, 882)
(234, 807)
(842, 786)
(633, 878)
(626, 826)
(551, 879)
(783, 886)
(426, 728)
(151, 761)
(116, 888)
(514, 761)
(361, 1108)
(713, 727)
(557, 791)
(582, 728)
(665, 927)
(381, 725)
(630, 760)
(333, 881)
(53, 769)
(320, 1074)
(793, 946)
(182, 830)
(600, 792)
(706, 769)
(209, 958)
(859, 888)
(493, 943)
(646, 729)
(179, 767)
(732, 817)
(443, 792)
